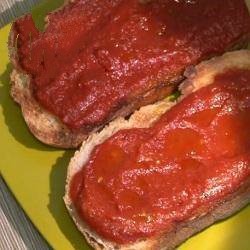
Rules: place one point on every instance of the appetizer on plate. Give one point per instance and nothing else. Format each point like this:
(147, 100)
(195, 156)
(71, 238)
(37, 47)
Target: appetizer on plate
(162, 170)
(101, 59)
(172, 169)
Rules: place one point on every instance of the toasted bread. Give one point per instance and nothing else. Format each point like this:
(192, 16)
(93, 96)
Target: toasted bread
(49, 129)
(197, 77)
(45, 126)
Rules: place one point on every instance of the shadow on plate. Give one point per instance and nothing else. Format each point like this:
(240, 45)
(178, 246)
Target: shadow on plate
(56, 205)
(16, 9)
(235, 237)
(13, 116)
(238, 234)
(19, 8)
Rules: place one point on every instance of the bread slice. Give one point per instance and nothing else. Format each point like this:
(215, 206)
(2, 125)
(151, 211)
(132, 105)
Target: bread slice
(44, 126)
(197, 77)
(48, 128)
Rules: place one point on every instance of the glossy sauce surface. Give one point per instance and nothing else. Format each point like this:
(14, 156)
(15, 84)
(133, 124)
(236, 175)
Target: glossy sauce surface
(141, 182)
(98, 55)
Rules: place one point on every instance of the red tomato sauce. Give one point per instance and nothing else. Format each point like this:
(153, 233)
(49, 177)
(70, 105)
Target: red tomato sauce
(96, 56)
(140, 182)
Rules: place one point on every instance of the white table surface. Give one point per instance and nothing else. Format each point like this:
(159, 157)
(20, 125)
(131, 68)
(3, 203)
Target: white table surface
(16, 230)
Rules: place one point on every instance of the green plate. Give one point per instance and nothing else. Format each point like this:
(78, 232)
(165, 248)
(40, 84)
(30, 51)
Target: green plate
(36, 175)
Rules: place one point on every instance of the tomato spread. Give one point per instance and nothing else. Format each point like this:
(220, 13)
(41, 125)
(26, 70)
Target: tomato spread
(96, 56)
(140, 182)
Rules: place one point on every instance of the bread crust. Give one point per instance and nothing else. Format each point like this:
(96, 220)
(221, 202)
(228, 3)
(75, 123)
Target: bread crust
(44, 126)
(197, 77)
(47, 128)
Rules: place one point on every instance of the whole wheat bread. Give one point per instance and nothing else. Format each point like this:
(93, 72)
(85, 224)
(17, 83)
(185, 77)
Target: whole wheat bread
(198, 77)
